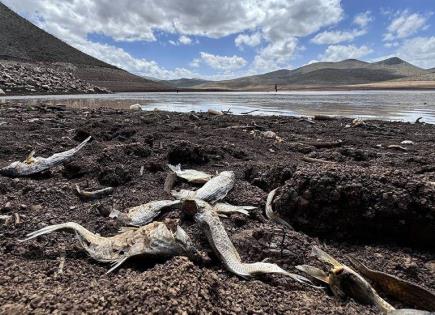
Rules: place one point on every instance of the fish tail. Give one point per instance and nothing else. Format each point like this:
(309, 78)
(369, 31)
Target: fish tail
(117, 264)
(58, 227)
(81, 145)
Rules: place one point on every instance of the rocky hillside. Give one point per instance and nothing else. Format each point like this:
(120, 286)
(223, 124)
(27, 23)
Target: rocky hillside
(40, 78)
(22, 41)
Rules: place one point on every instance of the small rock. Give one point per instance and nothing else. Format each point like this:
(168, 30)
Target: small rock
(407, 142)
(135, 107)
(215, 112)
(269, 134)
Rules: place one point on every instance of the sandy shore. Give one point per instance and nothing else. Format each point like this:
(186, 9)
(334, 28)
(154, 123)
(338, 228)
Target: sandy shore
(373, 182)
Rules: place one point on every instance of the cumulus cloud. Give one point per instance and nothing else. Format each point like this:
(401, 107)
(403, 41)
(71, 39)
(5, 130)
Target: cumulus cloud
(248, 40)
(275, 55)
(363, 19)
(404, 25)
(340, 52)
(224, 63)
(335, 37)
(419, 51)
(182, 40)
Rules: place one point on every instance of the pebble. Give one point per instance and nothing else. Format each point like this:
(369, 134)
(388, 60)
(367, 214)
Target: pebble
(135, 107)
(407, 142)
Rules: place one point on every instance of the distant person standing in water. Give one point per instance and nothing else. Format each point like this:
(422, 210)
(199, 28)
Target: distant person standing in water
(276, 88)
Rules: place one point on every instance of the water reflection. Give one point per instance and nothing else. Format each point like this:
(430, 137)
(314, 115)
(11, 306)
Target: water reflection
(386, 105)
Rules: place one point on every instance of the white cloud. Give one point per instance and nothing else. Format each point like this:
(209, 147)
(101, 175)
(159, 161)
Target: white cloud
(404, 25)
(340, 52)
(275, 55)
(185, 40)
(182, 40)
(363, 19)
(248, 40)
(335, 37)
(419, 51)
(224, 63)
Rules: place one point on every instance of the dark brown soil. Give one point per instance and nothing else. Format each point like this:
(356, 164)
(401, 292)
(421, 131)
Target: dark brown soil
(361, 206)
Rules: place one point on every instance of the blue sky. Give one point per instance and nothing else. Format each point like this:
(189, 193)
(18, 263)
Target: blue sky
(228, 38)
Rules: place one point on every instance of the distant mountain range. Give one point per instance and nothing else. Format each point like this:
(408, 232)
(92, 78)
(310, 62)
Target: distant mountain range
(20, 40)
(347, 73)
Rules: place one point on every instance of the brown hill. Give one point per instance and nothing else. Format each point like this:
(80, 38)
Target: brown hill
(324, 74)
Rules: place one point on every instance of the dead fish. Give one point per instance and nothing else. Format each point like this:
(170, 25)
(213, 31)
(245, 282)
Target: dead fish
(223, 247)
(406, 311)
(92, 195)
(33, 165)
(273, 216)
(344, 282)
(154, 239)
(226, 208)
(404, 291)
(143, 214)
(192, 176)
(214, 190)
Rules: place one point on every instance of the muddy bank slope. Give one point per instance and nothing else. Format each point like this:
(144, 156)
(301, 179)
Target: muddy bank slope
(126, 142)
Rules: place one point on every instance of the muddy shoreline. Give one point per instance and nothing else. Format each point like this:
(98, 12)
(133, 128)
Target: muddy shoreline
(366, 181)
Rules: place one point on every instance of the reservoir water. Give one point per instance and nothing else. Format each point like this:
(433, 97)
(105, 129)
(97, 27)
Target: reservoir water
(384, 105)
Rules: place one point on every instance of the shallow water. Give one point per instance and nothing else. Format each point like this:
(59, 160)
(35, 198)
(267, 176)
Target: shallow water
(385, 105)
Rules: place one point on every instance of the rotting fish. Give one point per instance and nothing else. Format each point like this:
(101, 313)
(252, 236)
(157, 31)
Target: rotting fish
(92, 195)
(226, 208)
(33, 165)
(273, 216)
(192, 176)
(154, 239)
(223, 247)
(214, 190)
(143, 214)
(344, 282)
(404, 291)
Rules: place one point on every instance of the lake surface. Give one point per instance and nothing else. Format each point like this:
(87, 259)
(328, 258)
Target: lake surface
(385, 105)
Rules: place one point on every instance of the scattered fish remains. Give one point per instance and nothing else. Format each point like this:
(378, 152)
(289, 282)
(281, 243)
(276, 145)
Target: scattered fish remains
(143, 214)
(214, 190)
(223, 247)
(154, 239)
(404, 291)
(192, 176)
(344, 282)
(34, 165)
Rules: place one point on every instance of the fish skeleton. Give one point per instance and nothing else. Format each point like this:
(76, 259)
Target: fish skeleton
(273, 216)
(223, 247)
(214, 190)
(143, 214)
(33, 165)
(154, 239)
(344, 282)
(192, 176)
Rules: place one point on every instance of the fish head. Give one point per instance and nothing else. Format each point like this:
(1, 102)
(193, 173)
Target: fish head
(344, 282)
(11, 170)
